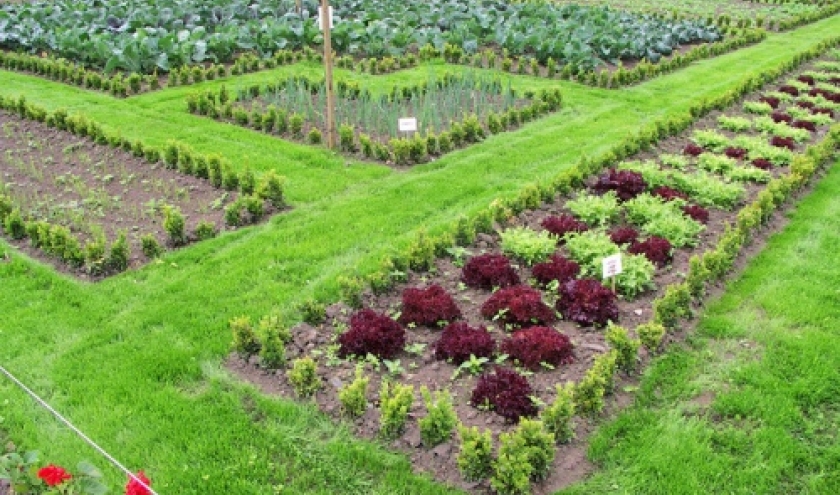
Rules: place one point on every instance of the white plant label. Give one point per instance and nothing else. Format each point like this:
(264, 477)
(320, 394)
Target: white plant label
(612, 265)
(408, 125)
(321, 21)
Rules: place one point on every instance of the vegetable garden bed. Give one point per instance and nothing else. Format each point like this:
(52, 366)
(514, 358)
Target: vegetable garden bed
(658, 195)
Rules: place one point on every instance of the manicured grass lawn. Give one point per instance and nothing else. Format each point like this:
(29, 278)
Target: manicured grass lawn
(750, 404)
(135, 360)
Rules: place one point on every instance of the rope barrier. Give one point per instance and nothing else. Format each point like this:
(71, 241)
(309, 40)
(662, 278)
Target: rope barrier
(84, 437)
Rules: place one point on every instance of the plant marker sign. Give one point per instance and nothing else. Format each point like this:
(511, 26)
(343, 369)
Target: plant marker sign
(321, 20)
(407, 125)
(612, 266)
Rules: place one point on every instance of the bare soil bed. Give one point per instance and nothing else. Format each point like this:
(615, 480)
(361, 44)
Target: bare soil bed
(89, 188)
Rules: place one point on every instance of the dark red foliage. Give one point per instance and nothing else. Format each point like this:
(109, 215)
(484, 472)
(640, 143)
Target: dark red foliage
(805, 104)
(556, 268)
(536, 345)
(587, 302)
(828, 95)
(835, 81)
(624, 235)
(518, 306)
(656, 249)
(372, 333)
(762, 163)
(783, 142)
(506, 392)
(697, 213)
(459, 341)
(626, 183)
(563, 224)
(669, 193)
(826, 111)
(770, 100)
(804, 124)
(489, 270)
(428, 306)
(791, 90)
(781, 117)
(806, 79)
(737, 153)
(692, 149)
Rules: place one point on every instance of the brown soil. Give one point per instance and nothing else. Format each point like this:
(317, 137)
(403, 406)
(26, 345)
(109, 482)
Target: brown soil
(68, 180)
(570, 464)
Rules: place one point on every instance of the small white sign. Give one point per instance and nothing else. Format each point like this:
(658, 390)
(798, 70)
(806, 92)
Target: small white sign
(321, 21)
(612, 265)
(408, 125)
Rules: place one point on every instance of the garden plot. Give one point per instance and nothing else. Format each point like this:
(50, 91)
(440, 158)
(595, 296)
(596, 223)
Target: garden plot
(501, 323)
(101, 209)
(449, 112)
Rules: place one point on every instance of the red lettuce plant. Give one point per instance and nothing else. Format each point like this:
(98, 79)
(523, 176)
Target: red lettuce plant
(825, 111)
(735, 152)
(770, 100)
(372, 333)
(563, 224)
(828, 95)
(626, 183)
(536, 345)
(518, 306)
(556, 268)
(804, 124)
(692, 149)
(791, 90)
(783, 142)
(624, 235)
(656, 249)
(587, 302)
(489, 270)
(762, 163)
(805, 104)
(459, 341)
(669, 193)
(835, 81)
(506, 392)
(781, 117)
(806, 79)
(696, 212)
(428, 306)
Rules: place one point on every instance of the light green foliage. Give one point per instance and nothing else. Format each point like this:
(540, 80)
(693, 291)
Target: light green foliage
(767, 126)
(588, 248)
(705, 189)
(663, 218)
(800, 113)
(627, 349)
(710, 140)
(270, 188)
(353, 397)
(394, 403)
(760, 148)
(636, 275)
(173, 224)
(272, 347)
(678, 162)
(475, 459)
(528, 245)
(758, 107)
(512, 470)
(718, 164)
(748, 174)
(734, 124)
(304, 376)
(594, 209)
(589, 393)
(244, 339)
(558, 415)
(650, 334)
(539, 443)
(437, 426)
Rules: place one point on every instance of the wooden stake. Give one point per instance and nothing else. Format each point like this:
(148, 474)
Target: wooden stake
(328, 76)
(298, 4)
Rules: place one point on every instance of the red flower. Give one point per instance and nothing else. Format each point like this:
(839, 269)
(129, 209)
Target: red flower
(54, 475)
(135, 488)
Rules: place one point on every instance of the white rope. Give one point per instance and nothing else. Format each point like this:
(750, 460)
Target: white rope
(77, 431)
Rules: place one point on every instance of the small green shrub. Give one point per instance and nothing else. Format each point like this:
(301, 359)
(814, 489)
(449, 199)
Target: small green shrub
(627, 349)
(173, 224)
(651, 334)
(512, 470)
(353, 397)
(244, 338)
(314, 136)
(119, 254)
(150, 246)
(312, 311)
(395, 401)
(272, 351)
(539, 443)
(528, 245)
(14, 225)
(589, 393)
(205, 230)
(475, 459)
(558, 415)
(437, 426)
(304, 376)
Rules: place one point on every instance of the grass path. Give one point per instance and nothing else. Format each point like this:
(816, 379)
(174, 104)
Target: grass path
(135, 360)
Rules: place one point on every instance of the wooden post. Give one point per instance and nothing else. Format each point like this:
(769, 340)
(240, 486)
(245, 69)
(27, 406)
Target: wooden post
(299, 5)
(328, 76)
